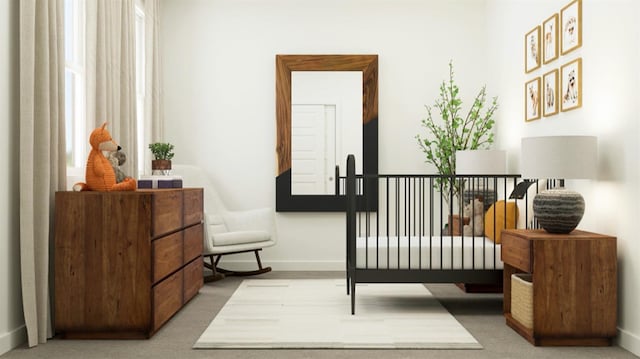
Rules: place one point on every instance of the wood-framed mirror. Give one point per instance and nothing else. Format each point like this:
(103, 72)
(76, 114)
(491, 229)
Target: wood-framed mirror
(296, 197)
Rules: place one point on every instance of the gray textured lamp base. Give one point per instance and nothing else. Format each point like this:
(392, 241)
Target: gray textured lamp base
(558, 210)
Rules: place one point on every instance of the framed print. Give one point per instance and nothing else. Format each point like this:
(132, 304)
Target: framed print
(532, 50)
(550, 39)
(550, 93)
(571, 22)
(532, 100)
(571, 85)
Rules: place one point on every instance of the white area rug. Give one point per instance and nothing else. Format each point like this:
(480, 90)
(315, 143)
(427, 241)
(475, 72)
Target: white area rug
(316, 313)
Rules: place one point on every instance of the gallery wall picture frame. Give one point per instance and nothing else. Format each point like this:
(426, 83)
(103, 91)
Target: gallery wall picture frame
(532, 50)
(571, 22)
(550, 39)
(571, 85)
(550, 93)
(532, 100)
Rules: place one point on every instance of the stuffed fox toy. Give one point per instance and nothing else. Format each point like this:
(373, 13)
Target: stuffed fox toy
(100, 175)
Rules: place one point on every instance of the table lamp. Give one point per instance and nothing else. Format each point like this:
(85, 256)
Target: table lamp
(559, 210)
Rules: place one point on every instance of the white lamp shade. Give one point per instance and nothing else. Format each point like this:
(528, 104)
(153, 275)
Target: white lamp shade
(481, 162)
(559, 157)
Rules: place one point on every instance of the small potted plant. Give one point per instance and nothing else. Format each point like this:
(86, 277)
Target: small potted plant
(162, 155)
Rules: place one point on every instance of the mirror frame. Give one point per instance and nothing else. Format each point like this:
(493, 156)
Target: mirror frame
(368, 64)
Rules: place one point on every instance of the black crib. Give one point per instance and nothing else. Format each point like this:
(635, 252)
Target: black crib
(398, 230)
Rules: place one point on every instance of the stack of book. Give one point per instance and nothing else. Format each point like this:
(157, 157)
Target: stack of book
(158, 181)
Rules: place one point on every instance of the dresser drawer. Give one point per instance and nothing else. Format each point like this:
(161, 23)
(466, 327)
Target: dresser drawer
(193, 206)
(516, 251)
(167, 299)
(167, 255)
(166, 208)
(193, 237)
(193, 279)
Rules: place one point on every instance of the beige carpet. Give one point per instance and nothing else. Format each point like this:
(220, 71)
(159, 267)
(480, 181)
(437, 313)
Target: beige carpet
(315, 313)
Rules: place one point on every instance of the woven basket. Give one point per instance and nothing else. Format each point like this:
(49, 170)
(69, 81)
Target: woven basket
(522, 299)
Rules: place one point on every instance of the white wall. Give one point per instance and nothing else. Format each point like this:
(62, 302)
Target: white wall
(219, 90)
(12, 331)
(610, 57)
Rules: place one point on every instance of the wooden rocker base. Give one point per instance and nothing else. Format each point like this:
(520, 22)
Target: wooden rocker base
(220, 273)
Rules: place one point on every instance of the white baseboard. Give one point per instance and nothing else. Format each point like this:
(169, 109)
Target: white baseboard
(284, 265)
(13, 339)
(628, 341)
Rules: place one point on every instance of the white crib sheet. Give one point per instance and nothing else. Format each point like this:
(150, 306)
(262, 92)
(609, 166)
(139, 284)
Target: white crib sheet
(439, 253)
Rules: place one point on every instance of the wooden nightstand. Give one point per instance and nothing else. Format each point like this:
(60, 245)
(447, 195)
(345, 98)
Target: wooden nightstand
(574, 280)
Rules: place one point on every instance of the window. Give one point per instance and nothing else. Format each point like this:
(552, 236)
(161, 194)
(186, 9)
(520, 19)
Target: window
(75, 124)
(75, 87)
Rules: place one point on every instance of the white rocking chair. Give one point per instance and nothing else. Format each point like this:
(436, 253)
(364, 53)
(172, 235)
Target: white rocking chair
(228, 232)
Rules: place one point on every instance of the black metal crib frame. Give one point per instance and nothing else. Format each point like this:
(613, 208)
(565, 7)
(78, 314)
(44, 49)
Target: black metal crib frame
(358, 217)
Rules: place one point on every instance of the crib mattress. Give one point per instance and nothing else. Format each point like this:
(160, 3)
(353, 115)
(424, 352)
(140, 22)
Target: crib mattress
(421, 253)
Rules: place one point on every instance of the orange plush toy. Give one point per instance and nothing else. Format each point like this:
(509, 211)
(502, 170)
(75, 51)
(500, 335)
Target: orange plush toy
(100, 175)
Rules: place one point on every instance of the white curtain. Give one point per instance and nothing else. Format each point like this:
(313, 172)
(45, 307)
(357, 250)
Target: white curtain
(152, 107)
(111, 91)
(153, 110)
(42, 153)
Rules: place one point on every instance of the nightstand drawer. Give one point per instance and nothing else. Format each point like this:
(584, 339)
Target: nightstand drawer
(516, 251)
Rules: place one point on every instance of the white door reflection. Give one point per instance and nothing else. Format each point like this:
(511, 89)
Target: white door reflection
(313, 148)
(326, 126)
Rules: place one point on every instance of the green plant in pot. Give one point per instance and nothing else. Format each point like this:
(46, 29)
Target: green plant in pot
(453, 131)
(162, 155)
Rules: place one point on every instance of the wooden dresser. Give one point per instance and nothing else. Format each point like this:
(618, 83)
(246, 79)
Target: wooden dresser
(125, 262)
(574, 285)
